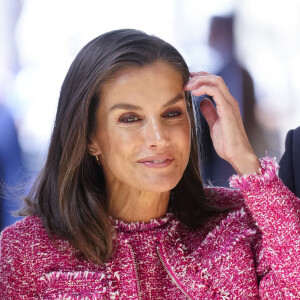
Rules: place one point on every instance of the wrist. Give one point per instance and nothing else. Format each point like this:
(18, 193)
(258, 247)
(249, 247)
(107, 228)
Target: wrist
(247, 164)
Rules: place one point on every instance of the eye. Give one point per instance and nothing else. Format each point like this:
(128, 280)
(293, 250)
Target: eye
(172, 114)
(129, 118)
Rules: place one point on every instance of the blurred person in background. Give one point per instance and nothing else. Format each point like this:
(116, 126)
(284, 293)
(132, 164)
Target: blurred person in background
(11, 166)
(289, 170)
(216, 171)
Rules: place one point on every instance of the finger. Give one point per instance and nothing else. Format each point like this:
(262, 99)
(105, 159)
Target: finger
(201, 73)
(211, 91)
(220, 95)
(210, 80)
(226, 107)
(209, 112)
(195, 78)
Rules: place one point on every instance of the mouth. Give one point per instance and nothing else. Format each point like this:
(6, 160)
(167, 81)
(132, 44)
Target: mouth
(156, 162)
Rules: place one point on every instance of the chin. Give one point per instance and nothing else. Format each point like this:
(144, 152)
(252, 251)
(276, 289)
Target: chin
(160, 186)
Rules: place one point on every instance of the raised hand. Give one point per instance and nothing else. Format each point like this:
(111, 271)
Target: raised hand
(225, 123)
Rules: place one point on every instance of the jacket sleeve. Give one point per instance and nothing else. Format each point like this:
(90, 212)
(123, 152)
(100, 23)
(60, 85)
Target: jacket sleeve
(276, 212)
(15, 269)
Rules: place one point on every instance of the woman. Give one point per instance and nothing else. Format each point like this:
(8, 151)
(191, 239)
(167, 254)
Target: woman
(119, 210)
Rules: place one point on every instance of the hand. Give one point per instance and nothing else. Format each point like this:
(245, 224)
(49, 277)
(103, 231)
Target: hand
(225, 123)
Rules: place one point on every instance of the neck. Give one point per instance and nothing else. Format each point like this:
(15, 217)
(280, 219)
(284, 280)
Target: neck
(137, 206)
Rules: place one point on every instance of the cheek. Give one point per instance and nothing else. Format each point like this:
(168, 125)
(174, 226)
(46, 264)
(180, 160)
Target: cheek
(184, 136)
(117, 145)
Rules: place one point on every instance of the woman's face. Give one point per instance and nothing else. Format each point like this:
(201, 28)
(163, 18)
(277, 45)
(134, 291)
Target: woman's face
(143, 131)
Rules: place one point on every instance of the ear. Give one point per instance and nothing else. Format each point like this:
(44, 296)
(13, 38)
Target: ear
(93, 148)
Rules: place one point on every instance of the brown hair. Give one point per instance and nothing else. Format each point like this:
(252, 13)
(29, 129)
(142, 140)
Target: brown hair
(69, 193)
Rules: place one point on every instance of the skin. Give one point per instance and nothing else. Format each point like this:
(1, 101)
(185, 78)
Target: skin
(143, 117)
(142, 139)
(225, 122)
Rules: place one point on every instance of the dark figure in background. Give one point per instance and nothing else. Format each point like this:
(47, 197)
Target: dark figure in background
(10, 166)
(289, 170)
(214, 170)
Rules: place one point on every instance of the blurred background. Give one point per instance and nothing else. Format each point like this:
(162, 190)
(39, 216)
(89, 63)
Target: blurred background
(254, 45)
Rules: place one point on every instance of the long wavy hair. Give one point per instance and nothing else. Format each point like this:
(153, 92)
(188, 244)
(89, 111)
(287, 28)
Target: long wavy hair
(69, 194)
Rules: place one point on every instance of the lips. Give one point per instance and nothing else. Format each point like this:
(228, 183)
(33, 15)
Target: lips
(156, 161)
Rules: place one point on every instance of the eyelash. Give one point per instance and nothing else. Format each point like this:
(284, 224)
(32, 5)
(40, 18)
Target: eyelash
(131, 118)
(173, 114)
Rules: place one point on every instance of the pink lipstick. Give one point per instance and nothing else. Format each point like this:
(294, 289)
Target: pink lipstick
(156, 161)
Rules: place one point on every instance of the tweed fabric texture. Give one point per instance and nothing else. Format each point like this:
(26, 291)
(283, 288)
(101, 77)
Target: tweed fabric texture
(250, 252)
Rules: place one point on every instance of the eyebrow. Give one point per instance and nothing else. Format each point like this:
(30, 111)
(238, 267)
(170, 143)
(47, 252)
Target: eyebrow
(127, 106)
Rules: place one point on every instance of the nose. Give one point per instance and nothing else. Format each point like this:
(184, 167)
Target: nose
(156, 135)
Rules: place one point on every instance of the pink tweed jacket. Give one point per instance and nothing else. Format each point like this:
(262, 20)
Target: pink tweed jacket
(251, 252)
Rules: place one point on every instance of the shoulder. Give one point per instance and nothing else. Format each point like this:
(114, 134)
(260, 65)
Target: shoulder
(296, 138)
(17, 255)
(297, 132)
(296, 142)
(25, 229)
(292, 139)
(289, 170)
(227, 237)
(226, 245)
(30, 238)
(26, 253)
(16, 240)
(233, 222)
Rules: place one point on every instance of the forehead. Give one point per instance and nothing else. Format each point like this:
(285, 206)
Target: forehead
(156, 80)
(148, 68)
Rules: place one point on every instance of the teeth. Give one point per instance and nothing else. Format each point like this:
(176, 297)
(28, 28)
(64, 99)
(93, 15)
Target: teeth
(158, 161)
